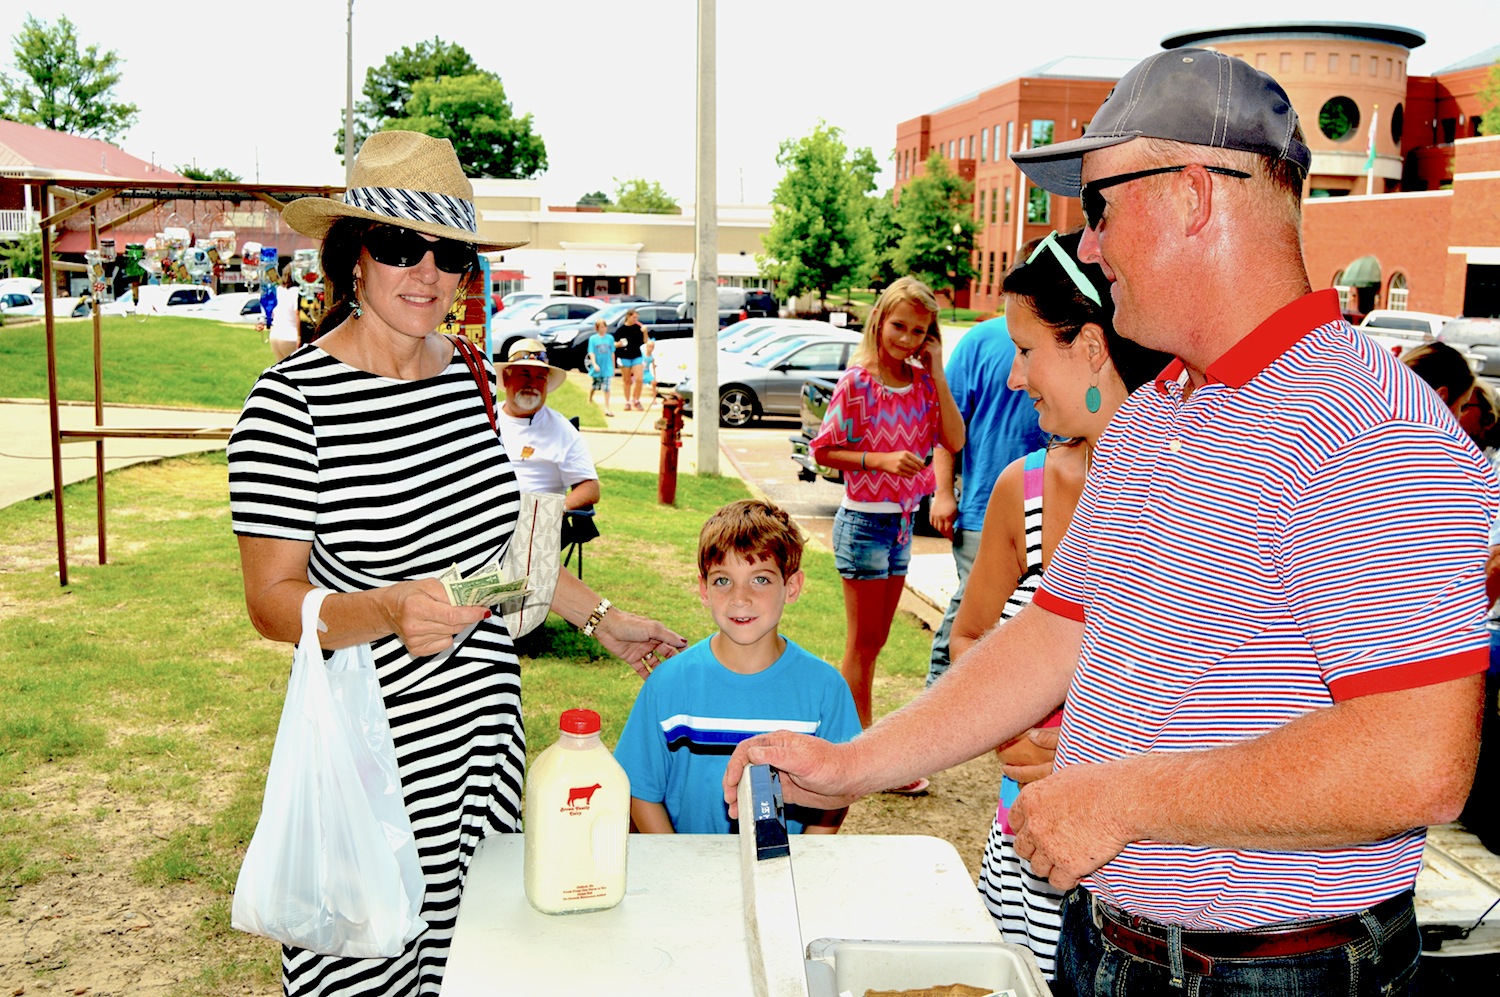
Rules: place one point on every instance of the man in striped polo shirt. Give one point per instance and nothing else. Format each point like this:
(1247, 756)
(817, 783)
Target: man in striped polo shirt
(1268, 614)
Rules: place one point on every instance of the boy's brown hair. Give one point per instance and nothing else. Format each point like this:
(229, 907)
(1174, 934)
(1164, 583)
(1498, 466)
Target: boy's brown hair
(754, 529)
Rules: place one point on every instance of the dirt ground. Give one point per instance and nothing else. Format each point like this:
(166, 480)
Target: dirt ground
(93, 929)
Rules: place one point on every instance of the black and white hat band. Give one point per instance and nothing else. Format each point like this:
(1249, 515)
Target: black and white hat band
(414, 205)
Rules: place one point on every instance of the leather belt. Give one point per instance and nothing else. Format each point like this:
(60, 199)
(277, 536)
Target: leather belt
(1149, 939)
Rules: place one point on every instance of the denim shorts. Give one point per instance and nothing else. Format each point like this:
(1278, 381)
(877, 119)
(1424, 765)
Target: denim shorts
(868, 545)
(628, 361)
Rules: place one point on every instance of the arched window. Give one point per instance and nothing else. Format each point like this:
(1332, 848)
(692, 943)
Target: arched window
(1395, 294)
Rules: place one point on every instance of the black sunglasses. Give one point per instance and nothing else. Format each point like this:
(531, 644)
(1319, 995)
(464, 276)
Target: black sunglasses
(401, 247)
(1094, 203)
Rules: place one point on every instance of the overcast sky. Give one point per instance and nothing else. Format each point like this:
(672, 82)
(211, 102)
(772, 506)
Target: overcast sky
(259, 88)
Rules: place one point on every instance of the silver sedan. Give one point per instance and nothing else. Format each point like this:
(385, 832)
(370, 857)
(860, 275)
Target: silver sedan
(771, 384)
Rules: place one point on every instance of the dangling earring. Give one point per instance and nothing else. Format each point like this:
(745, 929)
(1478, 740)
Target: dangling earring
(356, 310)
(1091, 399)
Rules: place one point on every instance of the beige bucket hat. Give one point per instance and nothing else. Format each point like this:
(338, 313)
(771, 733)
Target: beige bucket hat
(406, 179)
(531, 353)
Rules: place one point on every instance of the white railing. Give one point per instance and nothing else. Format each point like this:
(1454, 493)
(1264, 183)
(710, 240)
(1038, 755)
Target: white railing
(14, 223)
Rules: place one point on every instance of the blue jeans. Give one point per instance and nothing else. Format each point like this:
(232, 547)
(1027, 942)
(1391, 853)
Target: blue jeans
(868, 545)
(1383, 964)
(965, 547)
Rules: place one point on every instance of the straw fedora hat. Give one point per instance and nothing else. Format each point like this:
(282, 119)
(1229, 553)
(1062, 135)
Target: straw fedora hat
(401, 178)
(527, 349)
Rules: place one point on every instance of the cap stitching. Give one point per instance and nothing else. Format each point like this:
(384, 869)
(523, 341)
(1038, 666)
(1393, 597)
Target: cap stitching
(1223, 110)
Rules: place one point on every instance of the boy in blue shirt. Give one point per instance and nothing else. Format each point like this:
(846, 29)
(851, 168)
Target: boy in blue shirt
(600, 362)
(744, 680)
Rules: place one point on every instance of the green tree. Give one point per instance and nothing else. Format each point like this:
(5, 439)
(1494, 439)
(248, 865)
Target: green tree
(936, 217)
(1489, 99)
(218, 173)
(820, 234)
(641, 197)
(472, 112)
(885, 240)
(596, 199)
(389, 86)
(62, 87)
(23, 258)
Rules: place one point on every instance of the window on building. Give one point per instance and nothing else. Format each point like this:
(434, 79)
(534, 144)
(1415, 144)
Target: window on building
(1449, 128)
(1398, 124)
(1338, 118)
(995, 206)
(1042, 131)
(1395, 295)
(979, 212)
(1038, 207)
(1354, 65)
(1007, 204)
(1260, 60)
(1310, 62)
(1333, 62)
(984, 145)
(1286, 63)
(1010, 137)
(962, 149)
(1401, 69)
(989, 282)
(1374, 66)
(995, 153)
(559, 280)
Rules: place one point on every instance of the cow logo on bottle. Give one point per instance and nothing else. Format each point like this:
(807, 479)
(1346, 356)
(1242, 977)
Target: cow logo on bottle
(579, 798)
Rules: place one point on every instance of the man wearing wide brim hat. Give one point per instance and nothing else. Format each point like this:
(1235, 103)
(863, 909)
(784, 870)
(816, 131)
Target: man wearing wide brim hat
(1271, 685)
(406, 179)
(547, 453)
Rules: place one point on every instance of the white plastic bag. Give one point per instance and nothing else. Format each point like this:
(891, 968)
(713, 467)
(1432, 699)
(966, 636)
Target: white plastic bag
(332, 866)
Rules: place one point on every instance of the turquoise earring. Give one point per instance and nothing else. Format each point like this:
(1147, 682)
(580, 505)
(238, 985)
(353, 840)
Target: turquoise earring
(1091, 397)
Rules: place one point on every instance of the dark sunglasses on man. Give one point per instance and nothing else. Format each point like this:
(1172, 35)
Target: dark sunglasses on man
(1094, 203)
(401, 247)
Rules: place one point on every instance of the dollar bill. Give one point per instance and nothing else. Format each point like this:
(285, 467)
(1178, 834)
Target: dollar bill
(485, 587)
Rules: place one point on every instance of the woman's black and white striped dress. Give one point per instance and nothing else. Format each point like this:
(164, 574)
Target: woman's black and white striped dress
(393, 480)
(1025, 906)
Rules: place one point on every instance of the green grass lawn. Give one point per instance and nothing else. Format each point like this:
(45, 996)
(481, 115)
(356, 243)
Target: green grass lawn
(143, 685)
(168, 361)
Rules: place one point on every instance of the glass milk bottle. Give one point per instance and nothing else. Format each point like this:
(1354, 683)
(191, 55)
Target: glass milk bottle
(577, 821)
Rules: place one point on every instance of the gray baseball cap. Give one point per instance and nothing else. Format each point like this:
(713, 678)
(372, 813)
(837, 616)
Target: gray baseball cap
(1191, 95)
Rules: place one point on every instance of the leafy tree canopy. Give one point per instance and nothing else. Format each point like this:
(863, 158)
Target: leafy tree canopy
(885, 238)
(597, 199)
(23, 258)
(472, 112)
(636, 195)
(62, 87)
(936, 218)
(218, 173)
(389, 86)
(1489, 99)
(820, 235)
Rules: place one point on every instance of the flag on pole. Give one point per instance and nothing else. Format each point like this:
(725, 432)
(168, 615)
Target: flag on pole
(1370, 159)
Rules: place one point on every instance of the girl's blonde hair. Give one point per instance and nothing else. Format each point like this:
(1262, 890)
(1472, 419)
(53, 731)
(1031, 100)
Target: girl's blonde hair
(867, 353)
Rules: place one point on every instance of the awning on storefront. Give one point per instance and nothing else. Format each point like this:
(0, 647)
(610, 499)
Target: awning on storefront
(1363, 272)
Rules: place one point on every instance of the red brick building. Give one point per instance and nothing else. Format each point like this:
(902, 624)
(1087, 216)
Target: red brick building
(1418, 228)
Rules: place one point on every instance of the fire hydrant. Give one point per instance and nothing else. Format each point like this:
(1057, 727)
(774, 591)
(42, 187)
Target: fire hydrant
(670, 425)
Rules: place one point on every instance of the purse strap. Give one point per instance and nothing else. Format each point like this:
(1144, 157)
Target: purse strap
(475, 363)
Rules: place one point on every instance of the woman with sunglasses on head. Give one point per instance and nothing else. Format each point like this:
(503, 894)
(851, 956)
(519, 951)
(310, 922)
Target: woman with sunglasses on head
(1078, 371)
(367, 463)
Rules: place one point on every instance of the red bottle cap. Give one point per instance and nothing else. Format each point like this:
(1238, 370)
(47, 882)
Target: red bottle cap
(579, 722)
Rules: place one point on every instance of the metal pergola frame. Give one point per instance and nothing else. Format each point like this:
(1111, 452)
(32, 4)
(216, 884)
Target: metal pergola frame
(85, 194)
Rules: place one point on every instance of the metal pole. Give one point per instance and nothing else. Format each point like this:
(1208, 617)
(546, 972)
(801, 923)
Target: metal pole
(706, 225)
(349, 99)
(99, 504)
(45, 200)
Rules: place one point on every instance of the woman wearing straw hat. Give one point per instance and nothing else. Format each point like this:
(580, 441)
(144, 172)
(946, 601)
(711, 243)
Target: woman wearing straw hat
(368, 463)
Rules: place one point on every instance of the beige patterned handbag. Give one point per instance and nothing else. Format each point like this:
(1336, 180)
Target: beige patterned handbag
(535, 554)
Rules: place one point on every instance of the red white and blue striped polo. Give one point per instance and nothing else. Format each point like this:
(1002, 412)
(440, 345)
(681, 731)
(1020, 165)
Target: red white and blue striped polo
(1308, 526)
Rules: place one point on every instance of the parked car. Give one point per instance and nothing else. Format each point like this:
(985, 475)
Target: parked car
(1479, 337)
(534, 319)
(241, 307)
(742, 340)
(61, 308)
(160, 299)
(504, 301)
(568, 341)
(771, 384)
(1398, 330)
(739, 303)
(14, 300)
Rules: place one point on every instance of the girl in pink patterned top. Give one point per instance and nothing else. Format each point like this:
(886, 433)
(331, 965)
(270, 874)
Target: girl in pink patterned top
(888, 410)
